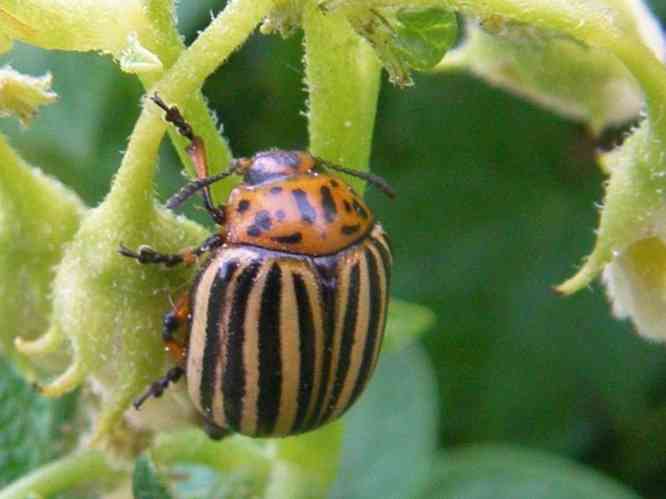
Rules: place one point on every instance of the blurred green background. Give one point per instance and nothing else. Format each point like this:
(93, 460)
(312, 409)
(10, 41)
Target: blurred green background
(496, 205)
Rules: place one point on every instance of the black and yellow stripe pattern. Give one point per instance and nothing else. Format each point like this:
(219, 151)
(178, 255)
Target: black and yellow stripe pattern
(282, 343)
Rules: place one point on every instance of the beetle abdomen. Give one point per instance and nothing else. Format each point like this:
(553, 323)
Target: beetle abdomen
(282, 343)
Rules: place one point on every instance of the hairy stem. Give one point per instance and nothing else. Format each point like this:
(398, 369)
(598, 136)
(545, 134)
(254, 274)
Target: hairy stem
(213, 46)
(342, 74)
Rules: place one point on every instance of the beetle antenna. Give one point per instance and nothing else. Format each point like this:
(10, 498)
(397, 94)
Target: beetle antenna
(375, 180)
(191, 188)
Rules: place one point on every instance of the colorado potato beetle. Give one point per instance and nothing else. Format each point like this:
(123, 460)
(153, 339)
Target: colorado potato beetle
(286, 317)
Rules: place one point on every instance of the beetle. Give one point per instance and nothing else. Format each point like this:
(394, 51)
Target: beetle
(285, 319)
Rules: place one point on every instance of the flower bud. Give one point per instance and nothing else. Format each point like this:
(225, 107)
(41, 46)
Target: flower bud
(636, 285)
(630, 246)
(109, 308)
(22, 95)
(38, 216)
(580, 82)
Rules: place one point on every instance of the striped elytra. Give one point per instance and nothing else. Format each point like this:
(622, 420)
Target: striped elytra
(282, 343)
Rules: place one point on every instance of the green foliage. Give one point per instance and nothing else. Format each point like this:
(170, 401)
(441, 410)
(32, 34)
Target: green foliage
(495, 472)
(482, 229)
(391, 434)
(424, 36)
(406, 323)
(34, 430)
(146, 484)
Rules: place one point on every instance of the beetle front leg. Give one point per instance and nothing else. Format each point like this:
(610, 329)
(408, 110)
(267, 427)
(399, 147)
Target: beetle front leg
(188, 256)
(174, 320)
(156, 389)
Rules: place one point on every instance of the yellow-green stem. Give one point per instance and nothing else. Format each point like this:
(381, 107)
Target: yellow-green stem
(86, 466)
(343, 76)
(213, 46)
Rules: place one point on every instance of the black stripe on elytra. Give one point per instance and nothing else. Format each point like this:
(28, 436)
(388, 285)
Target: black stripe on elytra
(374, 322)
(233, 376)
(347, 341)
(308, 213)
(270, 354)
(211, 353)
(387, 239)
(327, 270)
(307, 340)
(386, 259)
(348, 230)
(294, 238)
(328, 203)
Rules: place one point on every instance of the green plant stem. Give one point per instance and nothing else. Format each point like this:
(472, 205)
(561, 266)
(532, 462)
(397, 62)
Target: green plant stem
(213, 46)
(230, 455)
(86, 466)
(343, 76)
(164, 40)
(75, 26)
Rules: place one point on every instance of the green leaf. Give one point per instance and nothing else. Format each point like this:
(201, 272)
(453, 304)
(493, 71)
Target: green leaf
(405, 39)
(31, 427)
(146, 484)
(497, 472)
(424, 36)
(406, 322)
(391, 434)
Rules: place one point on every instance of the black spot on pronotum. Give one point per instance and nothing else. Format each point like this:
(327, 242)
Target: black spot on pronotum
(280, 215)
(328, 203)
(276, 189)
(362, 212)
(348, 230)
(347, 205)
(243, 205)
(308, 214)
(334, 183)
(253, 231)
(263, 220)
(294, 238)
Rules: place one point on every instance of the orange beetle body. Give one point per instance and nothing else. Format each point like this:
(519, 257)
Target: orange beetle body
(286, 204)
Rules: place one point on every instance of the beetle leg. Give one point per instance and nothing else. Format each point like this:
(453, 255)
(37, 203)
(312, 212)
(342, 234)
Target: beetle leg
(174, 319)
(197, 152)
(214, 431)
(157, 387)
(188, 256)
